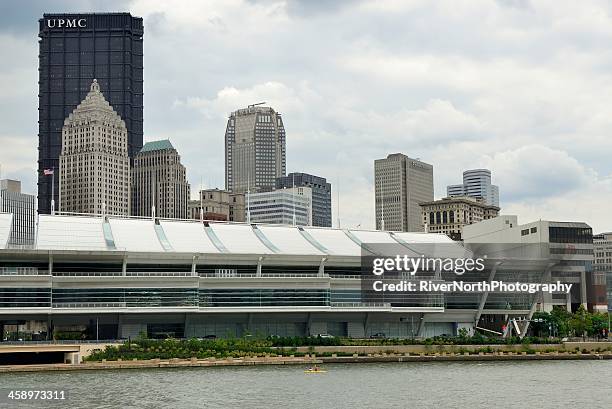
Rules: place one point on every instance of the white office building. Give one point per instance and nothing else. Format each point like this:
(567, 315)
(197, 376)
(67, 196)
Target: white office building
(94, 162)
(22, 206)
(568, 246)
(476, 183)
(291, 206)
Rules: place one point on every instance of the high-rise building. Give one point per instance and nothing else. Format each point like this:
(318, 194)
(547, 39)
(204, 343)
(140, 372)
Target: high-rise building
(73, 50)
(602, 265)
(401, 183)
(254, 149)
(218, 204)
(451, 214)
(22, 206)
(291, 206)
(321, 195)
(159, 179)
(476, 183)
(94, 164)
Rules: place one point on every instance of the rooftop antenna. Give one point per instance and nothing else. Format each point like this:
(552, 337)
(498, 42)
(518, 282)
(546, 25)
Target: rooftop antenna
(254, 105)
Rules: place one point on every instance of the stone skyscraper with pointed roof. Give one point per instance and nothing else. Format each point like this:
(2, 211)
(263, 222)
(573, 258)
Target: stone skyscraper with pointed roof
(159, 181)
(94, 162)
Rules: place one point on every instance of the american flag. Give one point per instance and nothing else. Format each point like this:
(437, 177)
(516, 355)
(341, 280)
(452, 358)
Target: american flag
(48, 172)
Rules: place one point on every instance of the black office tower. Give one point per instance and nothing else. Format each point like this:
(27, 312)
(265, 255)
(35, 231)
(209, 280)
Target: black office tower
(321, 195)
(73, 50)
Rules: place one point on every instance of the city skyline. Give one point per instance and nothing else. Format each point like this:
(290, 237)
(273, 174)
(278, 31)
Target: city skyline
(473, 116)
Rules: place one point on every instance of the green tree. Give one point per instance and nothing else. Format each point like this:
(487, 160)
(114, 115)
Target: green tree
(581, 322)
(541, 323)
(600, 322)
(560, 321)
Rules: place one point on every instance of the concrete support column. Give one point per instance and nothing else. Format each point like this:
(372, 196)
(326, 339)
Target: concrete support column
(322, 267)
(538, 298)
(259, 263)
(194, 263)
(583, 289)
(485, 295)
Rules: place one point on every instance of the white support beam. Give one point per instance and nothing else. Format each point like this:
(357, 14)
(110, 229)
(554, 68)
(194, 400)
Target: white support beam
(259, 264)
(194, 263)
(538, 298)
(124, 266)
(322, 267)
(485, 295)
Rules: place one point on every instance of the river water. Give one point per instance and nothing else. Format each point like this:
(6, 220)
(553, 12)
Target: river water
(535, 384)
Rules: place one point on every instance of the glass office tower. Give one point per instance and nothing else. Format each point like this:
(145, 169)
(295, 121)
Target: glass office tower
(73, 50)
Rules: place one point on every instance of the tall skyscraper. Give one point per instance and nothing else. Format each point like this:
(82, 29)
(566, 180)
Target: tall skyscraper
(159, 178)
(94, 163)
(321, 195)
(73, 50)
(23, 208)
(476, 183)
(401, 183)
(254, 149)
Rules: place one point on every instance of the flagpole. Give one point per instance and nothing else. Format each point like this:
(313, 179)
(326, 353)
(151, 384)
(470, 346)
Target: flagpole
(293, 197)
(52, 190)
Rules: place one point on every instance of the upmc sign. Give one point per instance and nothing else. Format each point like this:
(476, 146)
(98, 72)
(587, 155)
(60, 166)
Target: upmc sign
(66, 23)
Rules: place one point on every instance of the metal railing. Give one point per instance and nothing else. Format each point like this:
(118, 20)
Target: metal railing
(120, 274)
(360, 305)
(89, 305)
(263, 275)
(22, 271)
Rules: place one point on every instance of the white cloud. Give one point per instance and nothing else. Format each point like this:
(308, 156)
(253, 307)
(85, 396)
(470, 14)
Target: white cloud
(521, 87)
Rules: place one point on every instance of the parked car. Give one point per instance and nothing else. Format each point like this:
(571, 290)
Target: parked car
(212, 336)
(378, 335)
(325, 336)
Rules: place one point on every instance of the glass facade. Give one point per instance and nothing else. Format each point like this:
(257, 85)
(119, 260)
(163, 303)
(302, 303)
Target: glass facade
(263, 297)
(24, 297)
(73, 50)
(570, 235)
(124, 297)
(321, 195)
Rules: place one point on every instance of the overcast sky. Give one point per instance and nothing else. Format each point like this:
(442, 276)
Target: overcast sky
(521, 87)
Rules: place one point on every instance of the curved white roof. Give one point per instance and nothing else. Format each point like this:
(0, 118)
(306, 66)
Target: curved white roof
(70, 232)
(5, 228)
(373, 236)
(239, 238)
(135, 235)
(186, 236)
(336, 241)
(288, 241)
(410, 237)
